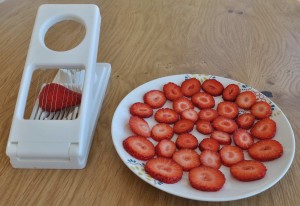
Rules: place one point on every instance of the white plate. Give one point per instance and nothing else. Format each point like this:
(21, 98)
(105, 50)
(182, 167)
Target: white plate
(233, 189)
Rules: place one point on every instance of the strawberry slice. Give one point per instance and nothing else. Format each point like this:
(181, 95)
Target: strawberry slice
(261, 110)
(204, 127)
(186, 141)
(206, 178)
(187, 159)
(164, 170)
(242, 138)
(224, 124)
(209, 144)
(264, 129)
(208, 114)
(245, 100)
(231, 155)
(248, 170)
(165, 148)
(181, 104)
(155, 98)
(139, 126)
(266, 150)
(245, 121)
(190, 87)
(172, 91)
(213, 87)
(231, 92)
(228, 109)
(161, 131)
(183, 126)
(166, 115)
(203, 100)
(189, 114)
(141, 110)
(210, 159)
(139, 147)
(221, 137)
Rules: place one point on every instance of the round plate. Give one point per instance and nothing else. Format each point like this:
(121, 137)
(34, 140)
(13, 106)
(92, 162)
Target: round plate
(233, 189)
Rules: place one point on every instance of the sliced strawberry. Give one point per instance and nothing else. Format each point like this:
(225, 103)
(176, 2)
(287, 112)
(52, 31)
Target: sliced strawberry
(186, 141)
(213, 87)
(187, 159)
(141, 110)
(209, 144)
(181, 104)
(166, 115)
(245, 100)
(139, 126)
(164, 170)
(189, 114)
(161, 131)
(222, 137)
(264, 129)
(139, 147)
(172, 91)
(261, 110)
(183, 126)
(204, 127)
(224, 124)
(190, 87)
(155, 98)
(228, 109)
(231, 155)
(165, 148)
(248, 170)
(210, 158)
(206, 178)
(245, 121)
(266, 150)
(242, 138)
(231, 92)
(208, 114)
(203, 100)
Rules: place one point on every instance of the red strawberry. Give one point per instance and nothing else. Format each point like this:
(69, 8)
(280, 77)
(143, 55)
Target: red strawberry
(242, 138)
(261, 110)
(209, 144)
(245, 121)
(206, 178)
(186, 141)
(231, 155)
(203, 100)
(248, 170)
(208, 114)
(264, 129)
(165, 148)
(164, 170)
(161, 131)
(266, 150)
(155, 98)
(139, 126)
(190, 87)
(172, 91)
(141, 110)
(210, 158)
(187, 159)
(182, 104)
(204, 127)
(166, 115)
(54, 97)
(189, 114)
(228, 109)
(245, 99)
(224, 124)
(213, 87)
(222, 137)
(183, 126)
(231, 92)
(139, 147)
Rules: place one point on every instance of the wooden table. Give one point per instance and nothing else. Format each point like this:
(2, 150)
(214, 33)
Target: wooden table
(255, 42)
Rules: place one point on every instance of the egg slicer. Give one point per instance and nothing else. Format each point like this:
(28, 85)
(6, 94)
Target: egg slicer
(59, 138)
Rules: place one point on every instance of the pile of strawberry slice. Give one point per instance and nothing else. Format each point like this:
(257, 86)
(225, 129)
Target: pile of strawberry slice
(228, 134)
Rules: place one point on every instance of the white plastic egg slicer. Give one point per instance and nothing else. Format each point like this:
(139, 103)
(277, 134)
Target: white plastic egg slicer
(59, 138)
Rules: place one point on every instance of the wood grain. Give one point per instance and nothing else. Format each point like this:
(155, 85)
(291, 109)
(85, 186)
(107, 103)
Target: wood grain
(256, 42)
